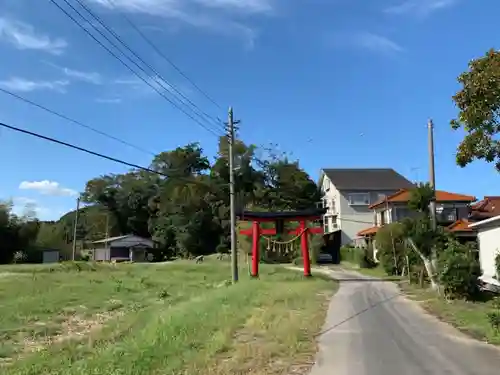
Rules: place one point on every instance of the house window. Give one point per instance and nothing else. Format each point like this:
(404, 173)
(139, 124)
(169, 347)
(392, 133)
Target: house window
(359, 199)
(327, 184)
(326, 226)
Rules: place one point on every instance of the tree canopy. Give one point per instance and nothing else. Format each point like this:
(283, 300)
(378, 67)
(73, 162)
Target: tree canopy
(478, 102)
(185, 206)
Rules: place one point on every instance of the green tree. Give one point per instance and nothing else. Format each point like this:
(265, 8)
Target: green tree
(478, 102)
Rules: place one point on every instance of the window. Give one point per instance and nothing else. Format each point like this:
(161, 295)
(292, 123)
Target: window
(334, 222)
(326, 226)
(359, 199)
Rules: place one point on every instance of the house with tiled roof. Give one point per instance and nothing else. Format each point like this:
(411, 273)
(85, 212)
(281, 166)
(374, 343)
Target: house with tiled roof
(348, 193)
(486, 208)
(452, 211)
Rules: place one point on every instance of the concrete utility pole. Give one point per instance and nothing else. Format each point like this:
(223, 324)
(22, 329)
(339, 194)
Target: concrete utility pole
(75, 226)
(234, 253)
(432, 177)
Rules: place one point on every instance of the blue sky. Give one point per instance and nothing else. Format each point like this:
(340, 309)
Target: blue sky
(340, 83)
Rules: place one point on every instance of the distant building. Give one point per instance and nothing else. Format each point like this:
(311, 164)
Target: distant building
(122, 248)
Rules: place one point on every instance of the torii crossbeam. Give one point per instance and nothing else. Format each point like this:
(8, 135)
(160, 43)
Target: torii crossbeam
(279, 218)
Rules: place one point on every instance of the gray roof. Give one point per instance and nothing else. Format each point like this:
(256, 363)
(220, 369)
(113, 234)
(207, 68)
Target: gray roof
(367, 179)
(111, 239)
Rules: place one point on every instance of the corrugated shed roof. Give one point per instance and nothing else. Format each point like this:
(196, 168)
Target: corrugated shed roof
(367, 179)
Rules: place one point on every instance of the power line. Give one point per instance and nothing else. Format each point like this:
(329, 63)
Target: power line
(155, 72)
(127, 66)
(53, 140)
(126, 56)
(161, 54)
(76, 122)
(102, 156)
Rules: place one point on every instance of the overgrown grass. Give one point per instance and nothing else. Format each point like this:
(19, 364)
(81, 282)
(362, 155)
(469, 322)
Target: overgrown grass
(469, 317)
(179, 318)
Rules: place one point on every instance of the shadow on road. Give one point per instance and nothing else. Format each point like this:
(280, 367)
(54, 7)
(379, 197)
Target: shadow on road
(373, 305)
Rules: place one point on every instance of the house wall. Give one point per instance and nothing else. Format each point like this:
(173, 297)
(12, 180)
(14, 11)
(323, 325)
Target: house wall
(102, 254)
(331, 196)
(50, 256)
(489, 247)
(353, 219)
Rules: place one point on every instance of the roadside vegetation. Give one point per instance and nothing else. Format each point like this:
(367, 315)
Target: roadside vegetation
(433, 267)
(177, 318)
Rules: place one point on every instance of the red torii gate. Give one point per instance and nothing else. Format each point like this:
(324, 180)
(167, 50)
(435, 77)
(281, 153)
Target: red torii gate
(279, 218)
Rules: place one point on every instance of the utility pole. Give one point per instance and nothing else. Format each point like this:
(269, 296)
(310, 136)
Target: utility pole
(75, 227)
(234, 253)
(432, 176)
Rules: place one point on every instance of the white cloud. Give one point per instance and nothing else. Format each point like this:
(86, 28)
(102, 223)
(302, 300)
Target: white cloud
(367, 41)
(24, 37)
(154, 84)
(108, 100)
(249, 6)
(47, 187)
(172, 8)
(90, 77)
(377, 43)
(208, 14)
(23, 201)
(24, 85)
(419, 7)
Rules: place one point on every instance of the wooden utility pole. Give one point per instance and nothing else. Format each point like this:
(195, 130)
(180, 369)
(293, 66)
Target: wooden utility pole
(234, 252)
(75, 228)
(432, 176)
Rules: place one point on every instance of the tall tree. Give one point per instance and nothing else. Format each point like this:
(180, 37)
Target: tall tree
(478, 102)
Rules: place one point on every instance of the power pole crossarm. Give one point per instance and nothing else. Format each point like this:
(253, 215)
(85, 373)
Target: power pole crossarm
(234, 253)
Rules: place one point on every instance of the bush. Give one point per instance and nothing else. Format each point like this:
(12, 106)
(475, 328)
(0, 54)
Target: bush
(347, 254)
(392, 251)
(366, 259)
(359, 256)
(459, 271)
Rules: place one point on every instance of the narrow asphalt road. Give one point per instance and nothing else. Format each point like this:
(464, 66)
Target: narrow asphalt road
(371, 329)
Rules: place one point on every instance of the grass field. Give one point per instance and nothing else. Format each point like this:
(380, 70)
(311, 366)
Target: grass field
(177, 318)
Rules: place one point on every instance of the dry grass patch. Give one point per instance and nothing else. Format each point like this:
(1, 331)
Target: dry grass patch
(201, 325)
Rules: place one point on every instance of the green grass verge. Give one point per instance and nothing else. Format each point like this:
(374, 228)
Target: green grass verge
(469, 317)
(179, 318)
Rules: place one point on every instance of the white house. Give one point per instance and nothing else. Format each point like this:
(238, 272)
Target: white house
(349, 192)
(488, 236)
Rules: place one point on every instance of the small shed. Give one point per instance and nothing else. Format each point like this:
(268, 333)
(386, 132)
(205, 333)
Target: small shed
(122, 248)
(50, 256)
(488, 236)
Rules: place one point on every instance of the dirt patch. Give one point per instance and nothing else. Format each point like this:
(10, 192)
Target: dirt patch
(75, 327)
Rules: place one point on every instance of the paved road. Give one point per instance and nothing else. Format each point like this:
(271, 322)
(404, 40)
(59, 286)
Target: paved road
(372, 330)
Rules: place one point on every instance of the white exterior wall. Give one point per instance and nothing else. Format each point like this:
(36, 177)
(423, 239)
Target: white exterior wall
(489, 247)
(331, 196)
